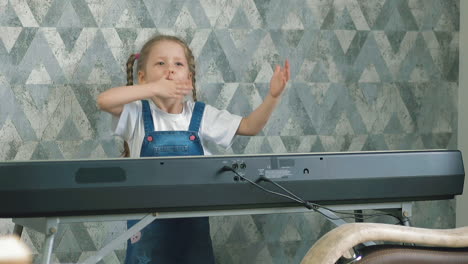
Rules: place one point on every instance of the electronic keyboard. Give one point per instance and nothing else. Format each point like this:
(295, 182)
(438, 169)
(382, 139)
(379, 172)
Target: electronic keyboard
(163, 184)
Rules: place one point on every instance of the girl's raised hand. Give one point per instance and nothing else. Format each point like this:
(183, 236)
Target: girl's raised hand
(279, 79)
(172, 89)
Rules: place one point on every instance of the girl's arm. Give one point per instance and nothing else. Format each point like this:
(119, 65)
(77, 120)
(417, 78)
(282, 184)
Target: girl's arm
(255, 122)
(114, 99)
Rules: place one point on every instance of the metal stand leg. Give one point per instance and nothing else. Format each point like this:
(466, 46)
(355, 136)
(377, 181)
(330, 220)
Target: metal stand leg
(51, 230)
(357, 219)
(47, 226)
(122, 238)
(406, 212)
(47, 250)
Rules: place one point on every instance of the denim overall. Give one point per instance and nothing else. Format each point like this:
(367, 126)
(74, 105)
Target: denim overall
(183, 240)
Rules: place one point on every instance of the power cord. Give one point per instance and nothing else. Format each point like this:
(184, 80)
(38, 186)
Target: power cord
(307, 204)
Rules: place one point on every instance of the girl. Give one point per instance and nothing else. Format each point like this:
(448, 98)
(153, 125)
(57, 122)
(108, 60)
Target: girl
(156, 120)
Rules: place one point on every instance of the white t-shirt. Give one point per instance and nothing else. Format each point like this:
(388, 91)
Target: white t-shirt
(218, 126)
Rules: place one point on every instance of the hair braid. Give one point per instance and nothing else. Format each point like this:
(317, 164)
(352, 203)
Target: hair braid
(194, 91)
(130, 62)
(191, 62)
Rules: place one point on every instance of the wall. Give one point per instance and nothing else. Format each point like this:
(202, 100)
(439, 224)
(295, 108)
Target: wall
(462, 201)
(366, 75)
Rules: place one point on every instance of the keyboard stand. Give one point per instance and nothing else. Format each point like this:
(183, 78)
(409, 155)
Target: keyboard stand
(49, 225)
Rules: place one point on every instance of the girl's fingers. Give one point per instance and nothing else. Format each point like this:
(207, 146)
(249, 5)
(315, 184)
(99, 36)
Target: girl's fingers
(185, 84)
(277, 69)
(186, 89)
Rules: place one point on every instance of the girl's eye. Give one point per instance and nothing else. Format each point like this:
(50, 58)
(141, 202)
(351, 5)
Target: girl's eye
(160, 63)
(179, 64)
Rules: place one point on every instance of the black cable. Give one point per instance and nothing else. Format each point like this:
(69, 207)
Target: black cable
(326, 208)
(363, 216)
(306, 203)
(310, 205)
(299, 200)
(355, 215)
(258, 186)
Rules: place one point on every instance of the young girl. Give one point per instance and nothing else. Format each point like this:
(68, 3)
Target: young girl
(156, 120)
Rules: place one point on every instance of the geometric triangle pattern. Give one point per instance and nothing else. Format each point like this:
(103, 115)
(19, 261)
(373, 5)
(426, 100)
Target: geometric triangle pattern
(365, 75)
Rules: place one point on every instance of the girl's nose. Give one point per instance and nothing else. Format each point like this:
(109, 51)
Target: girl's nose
(170, 70)
(170, 73)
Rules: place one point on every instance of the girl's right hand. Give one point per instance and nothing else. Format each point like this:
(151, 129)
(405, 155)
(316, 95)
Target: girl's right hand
(171, 89)
(114, 99)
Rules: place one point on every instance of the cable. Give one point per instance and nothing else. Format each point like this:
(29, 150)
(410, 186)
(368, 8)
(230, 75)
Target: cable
(326, 208)
(310, 205)
(226, 168)
(306, 203)
(355, 215)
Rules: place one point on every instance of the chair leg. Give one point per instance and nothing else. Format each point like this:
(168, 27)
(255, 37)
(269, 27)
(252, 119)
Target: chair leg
(18, 230)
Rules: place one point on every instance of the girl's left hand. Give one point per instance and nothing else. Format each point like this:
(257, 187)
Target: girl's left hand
(279, 79)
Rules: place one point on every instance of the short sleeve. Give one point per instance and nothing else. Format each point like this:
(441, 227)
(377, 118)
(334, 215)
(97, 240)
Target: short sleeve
(219, 126)
(124, 126)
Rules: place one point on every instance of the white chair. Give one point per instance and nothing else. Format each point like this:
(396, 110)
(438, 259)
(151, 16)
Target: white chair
(427, 246)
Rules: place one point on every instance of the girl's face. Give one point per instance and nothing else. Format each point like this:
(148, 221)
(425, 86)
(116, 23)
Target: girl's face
(165, 60)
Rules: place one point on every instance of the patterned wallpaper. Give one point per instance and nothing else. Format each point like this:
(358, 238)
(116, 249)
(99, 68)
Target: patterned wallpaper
(366, 75)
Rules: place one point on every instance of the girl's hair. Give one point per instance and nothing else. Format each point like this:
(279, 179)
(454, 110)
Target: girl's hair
(142, 58)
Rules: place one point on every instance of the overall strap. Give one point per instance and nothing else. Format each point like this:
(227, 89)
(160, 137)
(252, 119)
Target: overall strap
(147, 117)
(197, 116)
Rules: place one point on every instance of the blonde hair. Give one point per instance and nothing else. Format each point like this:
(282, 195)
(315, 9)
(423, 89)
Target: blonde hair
(142, 58)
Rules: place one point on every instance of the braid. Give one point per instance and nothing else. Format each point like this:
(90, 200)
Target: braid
(191, 62)
(194, 91)
(130, 62)
(194, 80)
(126, 151)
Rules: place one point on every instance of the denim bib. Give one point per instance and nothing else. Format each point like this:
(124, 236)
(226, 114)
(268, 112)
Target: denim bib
(172, 143)
(182, 240)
